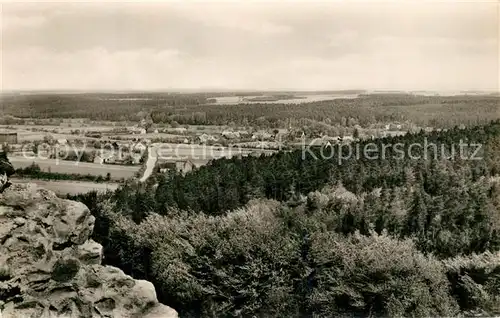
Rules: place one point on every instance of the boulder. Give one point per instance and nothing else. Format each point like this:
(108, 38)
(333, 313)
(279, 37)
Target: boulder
(50, 268)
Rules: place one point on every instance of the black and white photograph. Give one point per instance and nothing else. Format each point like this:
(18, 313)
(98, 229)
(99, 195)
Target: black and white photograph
(259, 158)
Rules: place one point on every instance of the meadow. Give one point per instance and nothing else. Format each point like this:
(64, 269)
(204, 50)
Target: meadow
(117, 172)
(69, 187)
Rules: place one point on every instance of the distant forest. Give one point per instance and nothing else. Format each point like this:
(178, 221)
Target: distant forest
(177, 108)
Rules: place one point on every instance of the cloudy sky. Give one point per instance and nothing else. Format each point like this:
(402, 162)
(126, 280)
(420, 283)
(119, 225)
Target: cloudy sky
(238, 45)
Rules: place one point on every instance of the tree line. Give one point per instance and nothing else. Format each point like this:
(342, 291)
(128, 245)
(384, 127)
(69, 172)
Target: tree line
(194, 109)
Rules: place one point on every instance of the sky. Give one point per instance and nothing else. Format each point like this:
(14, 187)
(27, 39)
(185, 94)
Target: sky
(233, 45)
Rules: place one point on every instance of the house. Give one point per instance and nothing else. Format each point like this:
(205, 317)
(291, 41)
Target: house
(347, 139)
(244, 133)
(182, 166)
(230, 134)
(119, 131)
(262, 135)
(98, 159)
(180, 130)
(8, 137)
(317, 134)
(296, 134)
(331, 140)
(62, 141)
(378, 126)
(204, 138)
(394, 126)
(93, 134)
(394, 133)
(119, 160)
(110, 160)
(166, 166)
(139, 147)
(136, 159)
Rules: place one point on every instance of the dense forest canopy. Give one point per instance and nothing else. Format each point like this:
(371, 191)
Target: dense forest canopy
(226, 184)
(295, 236)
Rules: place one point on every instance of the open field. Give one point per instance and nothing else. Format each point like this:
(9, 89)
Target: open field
(69, 187)
(62, 166)
(27, 135)
(60, 129)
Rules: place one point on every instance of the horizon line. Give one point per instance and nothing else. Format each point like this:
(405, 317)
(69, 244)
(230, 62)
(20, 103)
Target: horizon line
(241, 90)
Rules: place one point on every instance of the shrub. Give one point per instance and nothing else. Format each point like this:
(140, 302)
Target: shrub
(376, 276)
(236, 265)
(475, 281)
(267, 260)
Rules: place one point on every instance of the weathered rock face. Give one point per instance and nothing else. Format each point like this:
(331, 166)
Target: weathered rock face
(50, 268)
(3, 180)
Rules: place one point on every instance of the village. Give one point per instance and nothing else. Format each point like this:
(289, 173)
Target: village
(123, 148)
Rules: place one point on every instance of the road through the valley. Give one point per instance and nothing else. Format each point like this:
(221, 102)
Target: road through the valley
(150, 163)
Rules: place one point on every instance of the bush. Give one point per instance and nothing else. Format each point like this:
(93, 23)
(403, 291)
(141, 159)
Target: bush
(236, 265)
(376, 276)
(268, 260)
(475, 282)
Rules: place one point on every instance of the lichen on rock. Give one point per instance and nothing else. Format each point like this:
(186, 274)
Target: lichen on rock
(50, 268)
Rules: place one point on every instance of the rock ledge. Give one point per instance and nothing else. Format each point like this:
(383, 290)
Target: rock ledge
(50, 268)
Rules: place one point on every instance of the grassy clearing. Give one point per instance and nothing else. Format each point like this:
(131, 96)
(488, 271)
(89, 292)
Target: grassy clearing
(69, 167)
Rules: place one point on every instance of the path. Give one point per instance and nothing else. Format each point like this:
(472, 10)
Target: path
(150, 163)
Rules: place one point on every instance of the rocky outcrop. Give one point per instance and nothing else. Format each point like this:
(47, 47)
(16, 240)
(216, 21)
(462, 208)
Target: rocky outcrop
(50, 268)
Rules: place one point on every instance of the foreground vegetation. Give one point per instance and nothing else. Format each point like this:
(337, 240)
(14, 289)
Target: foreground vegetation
(268, 259)
(282, 236)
